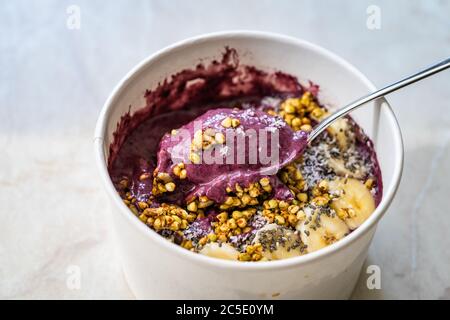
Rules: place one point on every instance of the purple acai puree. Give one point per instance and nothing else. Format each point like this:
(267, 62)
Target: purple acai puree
(240, 161)
(143, 140)
(176, 102)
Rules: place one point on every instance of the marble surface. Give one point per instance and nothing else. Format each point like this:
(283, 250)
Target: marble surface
(54, 80)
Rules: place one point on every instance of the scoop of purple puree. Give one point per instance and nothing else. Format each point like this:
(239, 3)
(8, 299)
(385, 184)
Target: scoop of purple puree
(258, 147)
(179, 99)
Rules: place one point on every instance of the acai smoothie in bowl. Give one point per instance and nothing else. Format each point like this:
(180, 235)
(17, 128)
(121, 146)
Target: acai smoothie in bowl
(216, 192)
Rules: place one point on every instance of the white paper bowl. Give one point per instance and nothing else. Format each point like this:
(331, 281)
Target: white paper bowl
(158, 269)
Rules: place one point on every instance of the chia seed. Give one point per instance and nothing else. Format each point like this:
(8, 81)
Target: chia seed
(198, 229)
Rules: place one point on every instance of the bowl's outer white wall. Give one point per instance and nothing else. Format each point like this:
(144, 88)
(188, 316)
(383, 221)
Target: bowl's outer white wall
(155, 272)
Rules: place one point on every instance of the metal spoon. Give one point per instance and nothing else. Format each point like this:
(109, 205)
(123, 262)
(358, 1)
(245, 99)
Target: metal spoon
(377, 94)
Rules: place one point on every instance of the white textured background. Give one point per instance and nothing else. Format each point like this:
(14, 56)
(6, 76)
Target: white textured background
(53, 82)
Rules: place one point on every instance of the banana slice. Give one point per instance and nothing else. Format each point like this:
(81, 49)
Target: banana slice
(339, 129)
(322, 231)
(339, 168)
(286, 243)
(224, 251)
(354, 204)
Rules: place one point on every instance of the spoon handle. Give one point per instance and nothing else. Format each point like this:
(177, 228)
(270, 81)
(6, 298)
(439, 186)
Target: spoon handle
(377, 94)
